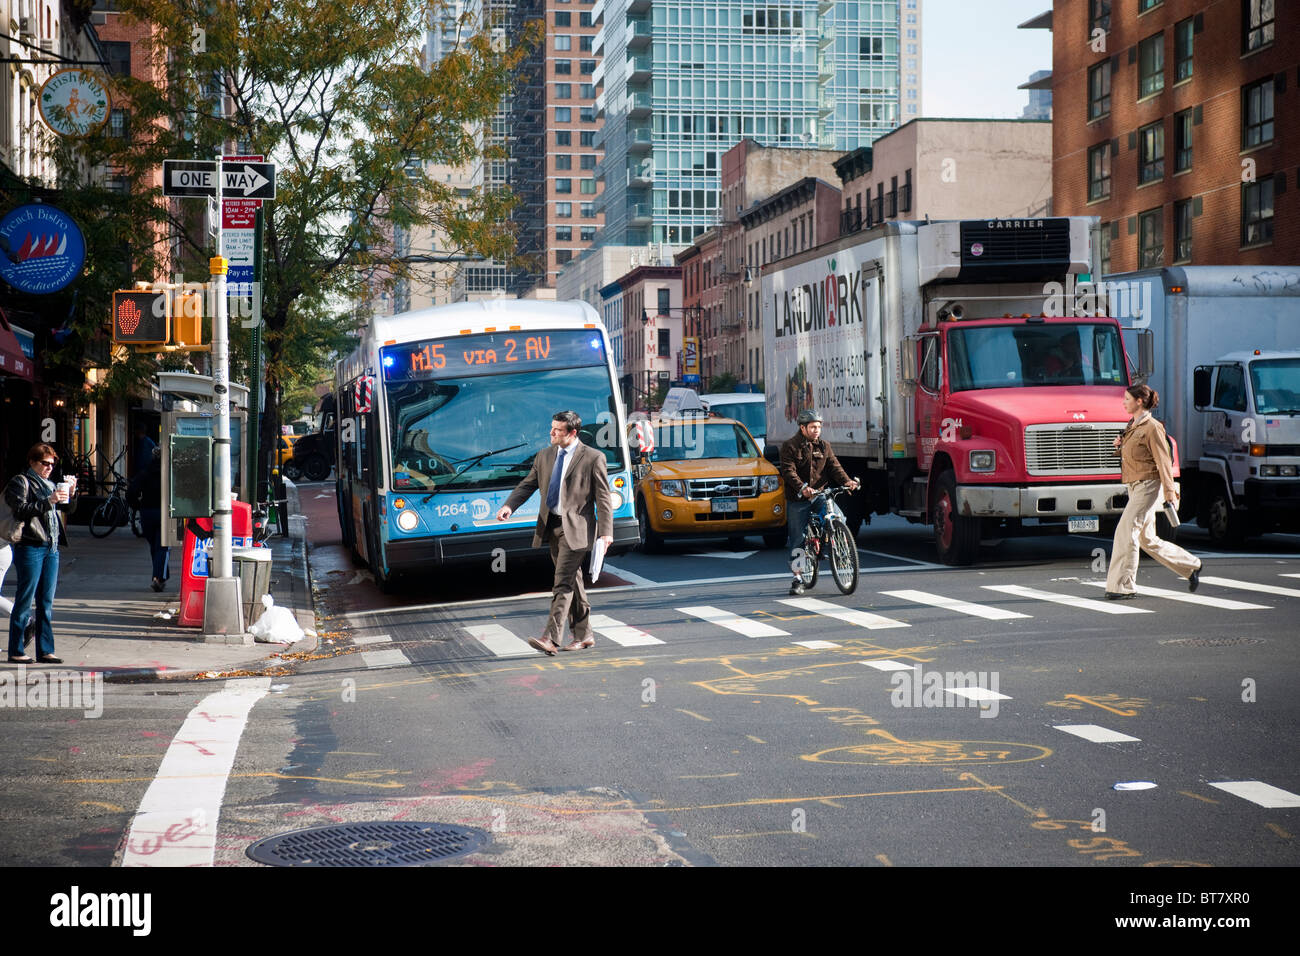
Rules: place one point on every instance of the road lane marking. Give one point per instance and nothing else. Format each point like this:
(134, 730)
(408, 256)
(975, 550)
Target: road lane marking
(393, 658)
(176, 824)
(373, 639)
(889, 665)
(1249, 586)
(1096, 733)
(1224, 603)
(1087, 604)
(1261, 793)
(500, 641)
(976, 693)
(691, 713)
(628, 576)
(620, 633)
(817, 645)
(732, 622)
(848, 615)
(961, 607)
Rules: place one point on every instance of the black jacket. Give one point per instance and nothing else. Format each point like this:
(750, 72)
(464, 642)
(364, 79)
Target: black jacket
(30, 506)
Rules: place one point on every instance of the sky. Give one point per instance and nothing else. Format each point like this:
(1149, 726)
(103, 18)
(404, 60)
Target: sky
(974, 57)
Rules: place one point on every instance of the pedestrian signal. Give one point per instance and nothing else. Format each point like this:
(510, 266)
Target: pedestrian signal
(140, 317)
(187, 320)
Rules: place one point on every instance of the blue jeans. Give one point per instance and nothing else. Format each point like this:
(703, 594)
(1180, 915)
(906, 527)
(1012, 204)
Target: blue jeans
(38, 575)
(797, 515)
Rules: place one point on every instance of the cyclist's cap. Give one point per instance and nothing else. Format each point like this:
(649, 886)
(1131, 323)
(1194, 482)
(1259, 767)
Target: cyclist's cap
(808, 416)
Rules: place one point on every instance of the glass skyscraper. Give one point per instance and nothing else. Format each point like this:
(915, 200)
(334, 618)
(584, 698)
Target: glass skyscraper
(682, 81)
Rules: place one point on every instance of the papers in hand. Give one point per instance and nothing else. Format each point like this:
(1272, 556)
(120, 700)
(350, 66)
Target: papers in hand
(597, 558)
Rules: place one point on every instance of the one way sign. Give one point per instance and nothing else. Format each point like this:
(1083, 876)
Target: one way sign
(244, 180)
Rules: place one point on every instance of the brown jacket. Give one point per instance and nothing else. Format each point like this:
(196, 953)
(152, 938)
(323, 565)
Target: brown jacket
(805, 462)
(1144, 455)
(587, 512)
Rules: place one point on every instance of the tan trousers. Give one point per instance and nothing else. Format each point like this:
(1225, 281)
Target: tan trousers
(1137, 529)
(568, 595)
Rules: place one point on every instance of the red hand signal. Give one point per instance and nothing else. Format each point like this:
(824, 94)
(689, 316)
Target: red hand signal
(128, 316)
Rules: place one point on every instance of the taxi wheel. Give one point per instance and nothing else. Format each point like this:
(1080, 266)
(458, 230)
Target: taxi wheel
(774, 539)
(651, 542)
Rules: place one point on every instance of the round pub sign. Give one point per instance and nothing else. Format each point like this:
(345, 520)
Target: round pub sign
(74, 102)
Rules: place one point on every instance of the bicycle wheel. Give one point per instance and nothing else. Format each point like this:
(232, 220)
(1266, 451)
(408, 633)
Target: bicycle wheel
(805, 565)
(844, 557)
(107, 517)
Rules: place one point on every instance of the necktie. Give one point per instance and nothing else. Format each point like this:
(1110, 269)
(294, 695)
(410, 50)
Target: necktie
(553, 489)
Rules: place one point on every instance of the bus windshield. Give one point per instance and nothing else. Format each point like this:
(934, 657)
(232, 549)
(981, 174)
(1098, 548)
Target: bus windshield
(1013, 356)
(439, 427)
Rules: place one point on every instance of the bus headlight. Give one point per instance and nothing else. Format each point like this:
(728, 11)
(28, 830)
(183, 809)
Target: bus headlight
(768, 483)
(983, 460)
(407, 520)
(615, 501)
(671, 489)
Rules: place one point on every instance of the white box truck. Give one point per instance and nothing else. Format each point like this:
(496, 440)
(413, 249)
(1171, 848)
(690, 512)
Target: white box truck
(1227, 367)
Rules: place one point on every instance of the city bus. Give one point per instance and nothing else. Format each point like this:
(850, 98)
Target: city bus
(440, 414)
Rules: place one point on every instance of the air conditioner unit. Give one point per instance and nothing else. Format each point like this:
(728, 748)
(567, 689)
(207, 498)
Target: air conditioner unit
(27, 27)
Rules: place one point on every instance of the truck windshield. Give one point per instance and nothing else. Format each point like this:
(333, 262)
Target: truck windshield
(1276, 383)
(1014, 356)
(753, 415)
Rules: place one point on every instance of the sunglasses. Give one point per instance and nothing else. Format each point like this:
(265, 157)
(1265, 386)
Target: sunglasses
(47, 464)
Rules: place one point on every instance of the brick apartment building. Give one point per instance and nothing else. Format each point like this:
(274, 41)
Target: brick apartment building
(1177, 122)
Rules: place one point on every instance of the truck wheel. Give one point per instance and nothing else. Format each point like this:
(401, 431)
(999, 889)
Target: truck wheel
(651, 543)
(956, 537)
(316, 468)
(1225, 526)
(292, 471)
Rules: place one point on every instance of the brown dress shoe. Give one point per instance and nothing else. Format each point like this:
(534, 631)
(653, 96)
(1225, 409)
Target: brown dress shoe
(579, 644)
(543, 644)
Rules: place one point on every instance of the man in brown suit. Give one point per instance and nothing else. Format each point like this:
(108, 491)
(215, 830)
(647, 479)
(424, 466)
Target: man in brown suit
(575, 509)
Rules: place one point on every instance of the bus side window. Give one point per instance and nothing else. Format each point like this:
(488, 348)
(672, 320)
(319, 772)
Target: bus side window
(364, 448)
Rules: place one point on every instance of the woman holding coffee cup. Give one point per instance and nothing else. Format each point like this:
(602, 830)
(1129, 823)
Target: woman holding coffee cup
(34, 500)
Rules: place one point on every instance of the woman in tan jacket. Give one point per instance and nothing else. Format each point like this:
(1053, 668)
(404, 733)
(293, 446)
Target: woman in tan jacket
(1146, 468)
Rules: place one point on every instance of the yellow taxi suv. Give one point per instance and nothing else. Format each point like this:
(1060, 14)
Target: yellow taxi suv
(704, 477)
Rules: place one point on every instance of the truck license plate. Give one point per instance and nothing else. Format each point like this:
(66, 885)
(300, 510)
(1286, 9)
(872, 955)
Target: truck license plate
(726, 504)
(1084, 523)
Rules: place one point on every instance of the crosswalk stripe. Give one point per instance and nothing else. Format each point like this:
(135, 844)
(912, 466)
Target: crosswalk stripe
(1249, 586)
(393, 658)
(1096, 733)
(1206, 600)
(373, 639)
(952, 604)
(976, 693)
(620, 633)
(500, 641)
(889, 665)
(1289, 575)
(1087, 604)
(1264, 794)
(817, 645)
(848, 615)
(741, 625)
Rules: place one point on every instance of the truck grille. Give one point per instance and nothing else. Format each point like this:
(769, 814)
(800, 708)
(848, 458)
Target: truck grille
(702, 489)
(1075, 449)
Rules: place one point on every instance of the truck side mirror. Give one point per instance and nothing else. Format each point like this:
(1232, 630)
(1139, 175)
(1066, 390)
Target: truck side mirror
(1146, 363)
(907, 365)
(1201, 387)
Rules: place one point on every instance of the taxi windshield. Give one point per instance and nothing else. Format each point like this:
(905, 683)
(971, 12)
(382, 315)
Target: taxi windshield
(689, 439)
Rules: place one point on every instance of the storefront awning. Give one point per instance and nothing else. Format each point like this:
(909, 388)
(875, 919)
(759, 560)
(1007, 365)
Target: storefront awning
(12, 359)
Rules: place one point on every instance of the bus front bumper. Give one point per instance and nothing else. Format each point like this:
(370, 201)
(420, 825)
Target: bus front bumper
(415, 553)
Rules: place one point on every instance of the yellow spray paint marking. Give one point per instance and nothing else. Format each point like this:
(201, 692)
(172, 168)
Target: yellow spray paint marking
(884, 860)
(273, 774)
(1032, 811)
(757, 740)
(691, 713)
(763, 833)
(112, 807)
(1130, 705)
(707, 776)
(1278, 830)
(889, 751)
(1197, 796)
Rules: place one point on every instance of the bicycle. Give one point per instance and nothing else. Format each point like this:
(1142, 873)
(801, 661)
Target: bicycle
(828, 535)
(114, 510)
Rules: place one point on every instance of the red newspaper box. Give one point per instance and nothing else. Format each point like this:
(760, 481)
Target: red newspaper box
(198, 559)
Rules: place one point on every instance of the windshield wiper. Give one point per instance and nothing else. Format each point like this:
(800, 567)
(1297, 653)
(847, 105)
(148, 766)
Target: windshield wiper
(470, 463)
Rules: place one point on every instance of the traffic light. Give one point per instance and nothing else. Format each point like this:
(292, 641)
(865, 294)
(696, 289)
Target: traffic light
(140, 317)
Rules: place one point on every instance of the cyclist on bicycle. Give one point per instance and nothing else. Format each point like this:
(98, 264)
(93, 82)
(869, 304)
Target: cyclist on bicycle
(806, 463)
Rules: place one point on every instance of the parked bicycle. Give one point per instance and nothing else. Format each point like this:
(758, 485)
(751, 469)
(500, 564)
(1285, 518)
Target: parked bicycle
(114, 510)
(827, 535)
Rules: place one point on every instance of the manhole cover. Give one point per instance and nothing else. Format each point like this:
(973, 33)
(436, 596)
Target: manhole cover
(1211, 641)
(369, 844)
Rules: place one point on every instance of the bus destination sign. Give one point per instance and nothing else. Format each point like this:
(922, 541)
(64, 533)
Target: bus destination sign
(493, 353)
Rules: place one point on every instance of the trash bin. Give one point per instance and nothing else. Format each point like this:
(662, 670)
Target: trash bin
(253, 568)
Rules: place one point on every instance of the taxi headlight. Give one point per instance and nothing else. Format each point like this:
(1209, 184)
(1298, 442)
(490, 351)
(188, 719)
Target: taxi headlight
(407, 520)
(672, 489)
(769, 483)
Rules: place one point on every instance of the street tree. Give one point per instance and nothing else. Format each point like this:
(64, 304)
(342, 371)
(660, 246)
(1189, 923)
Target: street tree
(343, 97)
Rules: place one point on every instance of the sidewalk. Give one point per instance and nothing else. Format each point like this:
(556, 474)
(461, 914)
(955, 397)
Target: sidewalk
(105, 615)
